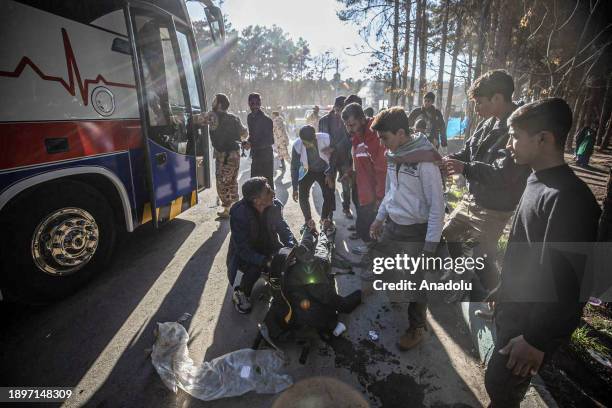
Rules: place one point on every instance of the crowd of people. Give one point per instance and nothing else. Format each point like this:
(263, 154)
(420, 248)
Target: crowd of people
(390, 167)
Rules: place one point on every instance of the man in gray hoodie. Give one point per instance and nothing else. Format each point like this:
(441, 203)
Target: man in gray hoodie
(411, 215)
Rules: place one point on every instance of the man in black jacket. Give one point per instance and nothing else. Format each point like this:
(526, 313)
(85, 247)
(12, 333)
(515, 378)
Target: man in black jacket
(495, 182)
(537, 304)
(226, 132)
(261, 139)
(435, 126)
(258, 232)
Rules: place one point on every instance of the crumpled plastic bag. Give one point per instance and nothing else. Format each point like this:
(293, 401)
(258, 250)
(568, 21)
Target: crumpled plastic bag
(232, 374)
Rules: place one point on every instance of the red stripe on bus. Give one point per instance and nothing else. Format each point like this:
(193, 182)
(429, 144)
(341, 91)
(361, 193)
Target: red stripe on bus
(23, 143)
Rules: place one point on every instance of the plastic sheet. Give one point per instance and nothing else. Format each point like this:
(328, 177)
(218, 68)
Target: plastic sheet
(232, 374)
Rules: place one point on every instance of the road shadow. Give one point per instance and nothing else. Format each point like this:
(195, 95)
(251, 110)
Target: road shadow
(135, 364)
(57, 344)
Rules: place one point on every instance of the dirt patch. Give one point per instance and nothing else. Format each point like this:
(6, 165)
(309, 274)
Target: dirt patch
(398, 391)
(395, 390)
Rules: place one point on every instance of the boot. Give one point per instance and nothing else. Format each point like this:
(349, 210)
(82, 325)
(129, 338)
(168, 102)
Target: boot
(412, 337)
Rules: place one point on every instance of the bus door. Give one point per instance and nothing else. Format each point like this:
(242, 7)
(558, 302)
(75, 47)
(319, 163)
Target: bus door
(169, 93)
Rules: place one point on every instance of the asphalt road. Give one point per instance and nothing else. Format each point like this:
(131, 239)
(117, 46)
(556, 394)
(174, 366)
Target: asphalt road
(98, 340)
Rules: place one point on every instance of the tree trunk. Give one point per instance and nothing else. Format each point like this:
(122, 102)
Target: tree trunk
(440, 89)
(395, 57)
(608, 135)
(484, 17)
(415, 44)
(451, 81)
(408, 9)
(604, 232)
(504, 33)
(495, 7)
(605, 111)
(578, 107)
(423, 53)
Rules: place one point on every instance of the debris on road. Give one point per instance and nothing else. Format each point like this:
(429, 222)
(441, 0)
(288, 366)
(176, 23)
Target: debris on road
(230, 375)
(373, 335)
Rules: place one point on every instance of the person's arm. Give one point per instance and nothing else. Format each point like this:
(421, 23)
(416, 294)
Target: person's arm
(250, 124)
(502, 172)
(269, 130)
(239, 227)
(295, 167)
(323, 125)
(380, 169)
(431, 182)
(571, 220)
(413, 115)
(382, 209)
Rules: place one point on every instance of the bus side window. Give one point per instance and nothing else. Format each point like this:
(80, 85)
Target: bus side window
(166, 104)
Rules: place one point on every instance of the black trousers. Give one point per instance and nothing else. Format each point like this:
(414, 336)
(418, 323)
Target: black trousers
(304, 186)
(262, 164)
(346, 193)
(366, 214)
(505, 389)
(248, 275)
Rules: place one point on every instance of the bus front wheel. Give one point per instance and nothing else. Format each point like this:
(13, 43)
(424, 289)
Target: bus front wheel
(58, 237)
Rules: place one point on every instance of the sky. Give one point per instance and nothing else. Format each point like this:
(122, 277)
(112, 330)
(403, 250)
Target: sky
(313, 20)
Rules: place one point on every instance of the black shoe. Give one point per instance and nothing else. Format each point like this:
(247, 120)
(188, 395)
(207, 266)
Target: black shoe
(348, 214)
(241, 302)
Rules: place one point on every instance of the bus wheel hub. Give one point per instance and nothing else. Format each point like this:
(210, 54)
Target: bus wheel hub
(65, 241)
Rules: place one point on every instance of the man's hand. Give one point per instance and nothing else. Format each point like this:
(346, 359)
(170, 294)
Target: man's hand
(524, 359)
(329, 181)
(453, 166)
(376, 229)
(346, 176)
(296, 195)
(246, 145)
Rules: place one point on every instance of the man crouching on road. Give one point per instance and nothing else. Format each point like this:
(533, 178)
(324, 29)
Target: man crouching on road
(258, 231)
(413, 207)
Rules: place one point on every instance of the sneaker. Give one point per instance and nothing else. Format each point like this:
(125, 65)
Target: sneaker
(360, 250)
(241, 302)
(348, 214)
(327, 225)
(411, 338)
(351, 227)
(224, 213)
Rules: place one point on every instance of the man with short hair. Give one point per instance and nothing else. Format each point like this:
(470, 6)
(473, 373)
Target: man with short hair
(538, 304)
(261, 139)
(309, 164)
(339, 150)
(435, 126)
(370, 169)
(258, 231)
(411, 216)
(313, 118)
(495, 182)
(226, 132)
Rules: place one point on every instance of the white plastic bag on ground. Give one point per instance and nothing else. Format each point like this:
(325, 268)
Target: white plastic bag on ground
(232, 374)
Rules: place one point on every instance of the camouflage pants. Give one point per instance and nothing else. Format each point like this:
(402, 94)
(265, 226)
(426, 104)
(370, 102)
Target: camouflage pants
(227, 166)
(473, 231)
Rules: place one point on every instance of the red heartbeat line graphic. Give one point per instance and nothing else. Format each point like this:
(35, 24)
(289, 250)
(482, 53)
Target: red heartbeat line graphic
(73, 71)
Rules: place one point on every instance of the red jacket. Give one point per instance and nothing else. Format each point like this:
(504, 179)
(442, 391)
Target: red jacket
(370, 165)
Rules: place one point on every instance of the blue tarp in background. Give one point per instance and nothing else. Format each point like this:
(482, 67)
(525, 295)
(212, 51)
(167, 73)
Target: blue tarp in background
(455, 127)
